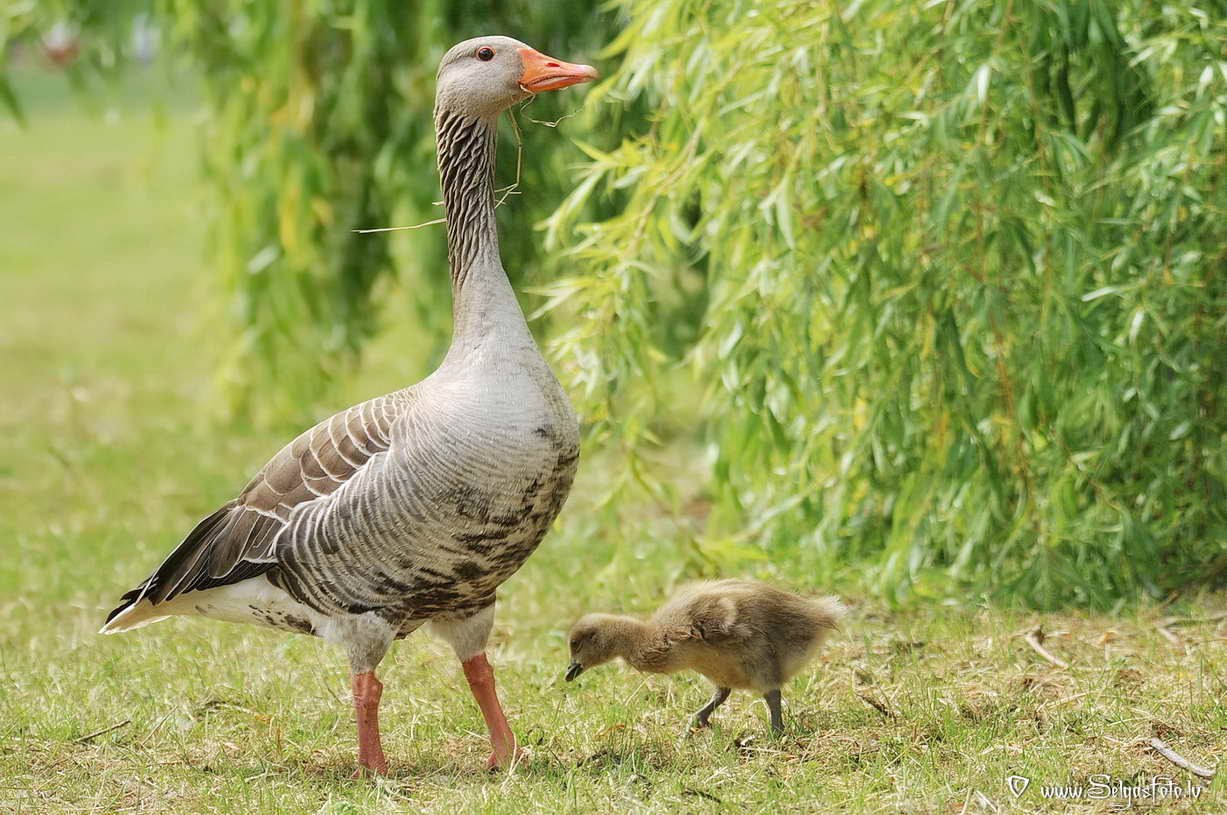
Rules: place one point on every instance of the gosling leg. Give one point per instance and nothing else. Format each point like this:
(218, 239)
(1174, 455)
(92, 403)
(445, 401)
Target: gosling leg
(717, 699)
(777, 716)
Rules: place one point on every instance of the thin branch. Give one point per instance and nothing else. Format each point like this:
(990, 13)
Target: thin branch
(102, 732)
(1035, 638)
(1179, 621)
(877, 705)
(1161, 747)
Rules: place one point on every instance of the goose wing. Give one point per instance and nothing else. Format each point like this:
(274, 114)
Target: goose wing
(237, 541)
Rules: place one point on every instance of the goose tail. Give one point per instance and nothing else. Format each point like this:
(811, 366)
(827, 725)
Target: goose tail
(133, 611)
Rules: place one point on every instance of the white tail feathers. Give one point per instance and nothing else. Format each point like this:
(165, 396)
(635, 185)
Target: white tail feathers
(134, 616)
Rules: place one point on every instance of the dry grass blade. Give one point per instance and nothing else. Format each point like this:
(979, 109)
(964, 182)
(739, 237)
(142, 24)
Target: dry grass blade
(1064, 700)
(154, 730)
(701, 794)
(503, 192)
(1170, 636)
(554, 123)
(400, 228)
(1161, 747)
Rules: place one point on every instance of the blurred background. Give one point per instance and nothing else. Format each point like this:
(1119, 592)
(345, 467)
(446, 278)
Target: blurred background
(914, 299)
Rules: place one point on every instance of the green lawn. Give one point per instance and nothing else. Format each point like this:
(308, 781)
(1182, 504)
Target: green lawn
(110, 448)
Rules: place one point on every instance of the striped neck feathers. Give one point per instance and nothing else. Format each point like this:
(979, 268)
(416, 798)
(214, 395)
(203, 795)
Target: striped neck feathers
(466, 171)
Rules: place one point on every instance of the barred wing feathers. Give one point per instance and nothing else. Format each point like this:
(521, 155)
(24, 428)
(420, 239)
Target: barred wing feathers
(237, 541)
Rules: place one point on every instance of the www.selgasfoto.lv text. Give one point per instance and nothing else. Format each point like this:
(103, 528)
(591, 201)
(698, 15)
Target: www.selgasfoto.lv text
(1103, 786)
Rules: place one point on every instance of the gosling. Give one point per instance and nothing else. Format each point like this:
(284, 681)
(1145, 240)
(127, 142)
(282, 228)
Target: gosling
(737, 633)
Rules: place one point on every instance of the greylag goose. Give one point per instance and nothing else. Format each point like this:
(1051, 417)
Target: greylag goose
(737, 633)
(413, 507)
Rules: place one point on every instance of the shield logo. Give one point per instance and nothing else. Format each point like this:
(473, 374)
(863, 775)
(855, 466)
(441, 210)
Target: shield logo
(1018, 784)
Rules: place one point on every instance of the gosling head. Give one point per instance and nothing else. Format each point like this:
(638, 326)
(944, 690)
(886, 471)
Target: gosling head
(596, 639)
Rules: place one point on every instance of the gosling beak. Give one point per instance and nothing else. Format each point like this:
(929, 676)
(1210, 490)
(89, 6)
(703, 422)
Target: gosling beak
(574, 670)
(542, 73)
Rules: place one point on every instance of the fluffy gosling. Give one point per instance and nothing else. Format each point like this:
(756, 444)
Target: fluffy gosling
(737, 633)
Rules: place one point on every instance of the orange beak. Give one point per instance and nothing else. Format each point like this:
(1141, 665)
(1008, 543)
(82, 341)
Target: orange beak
(542, 73)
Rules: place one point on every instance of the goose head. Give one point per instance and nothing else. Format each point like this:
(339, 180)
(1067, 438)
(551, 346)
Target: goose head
(486, 75)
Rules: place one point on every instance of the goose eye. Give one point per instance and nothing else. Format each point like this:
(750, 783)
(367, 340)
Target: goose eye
(485, 53)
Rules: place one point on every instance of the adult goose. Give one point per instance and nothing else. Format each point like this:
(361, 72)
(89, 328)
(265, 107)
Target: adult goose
(414, 507)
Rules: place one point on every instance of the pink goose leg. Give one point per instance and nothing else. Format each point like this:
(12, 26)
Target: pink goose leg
(481, 681)
(367, 690)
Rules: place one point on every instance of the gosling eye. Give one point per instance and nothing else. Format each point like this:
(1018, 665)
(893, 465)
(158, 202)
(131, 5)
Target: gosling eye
(485, 53)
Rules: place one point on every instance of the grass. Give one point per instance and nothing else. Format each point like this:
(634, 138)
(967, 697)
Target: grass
(110, 449)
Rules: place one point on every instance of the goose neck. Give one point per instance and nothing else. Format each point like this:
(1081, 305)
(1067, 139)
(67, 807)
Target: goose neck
(466, 146)
(483, 302)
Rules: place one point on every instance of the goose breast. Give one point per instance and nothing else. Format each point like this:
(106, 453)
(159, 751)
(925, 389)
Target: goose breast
(477, 470)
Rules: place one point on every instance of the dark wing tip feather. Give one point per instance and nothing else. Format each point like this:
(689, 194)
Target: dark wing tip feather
(232, 544)
(193, 566)
(125, 603)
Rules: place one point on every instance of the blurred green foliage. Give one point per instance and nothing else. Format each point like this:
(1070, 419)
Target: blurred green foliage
(938, 287)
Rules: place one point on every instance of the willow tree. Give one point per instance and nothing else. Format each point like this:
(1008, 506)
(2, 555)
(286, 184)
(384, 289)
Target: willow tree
(950, 277)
